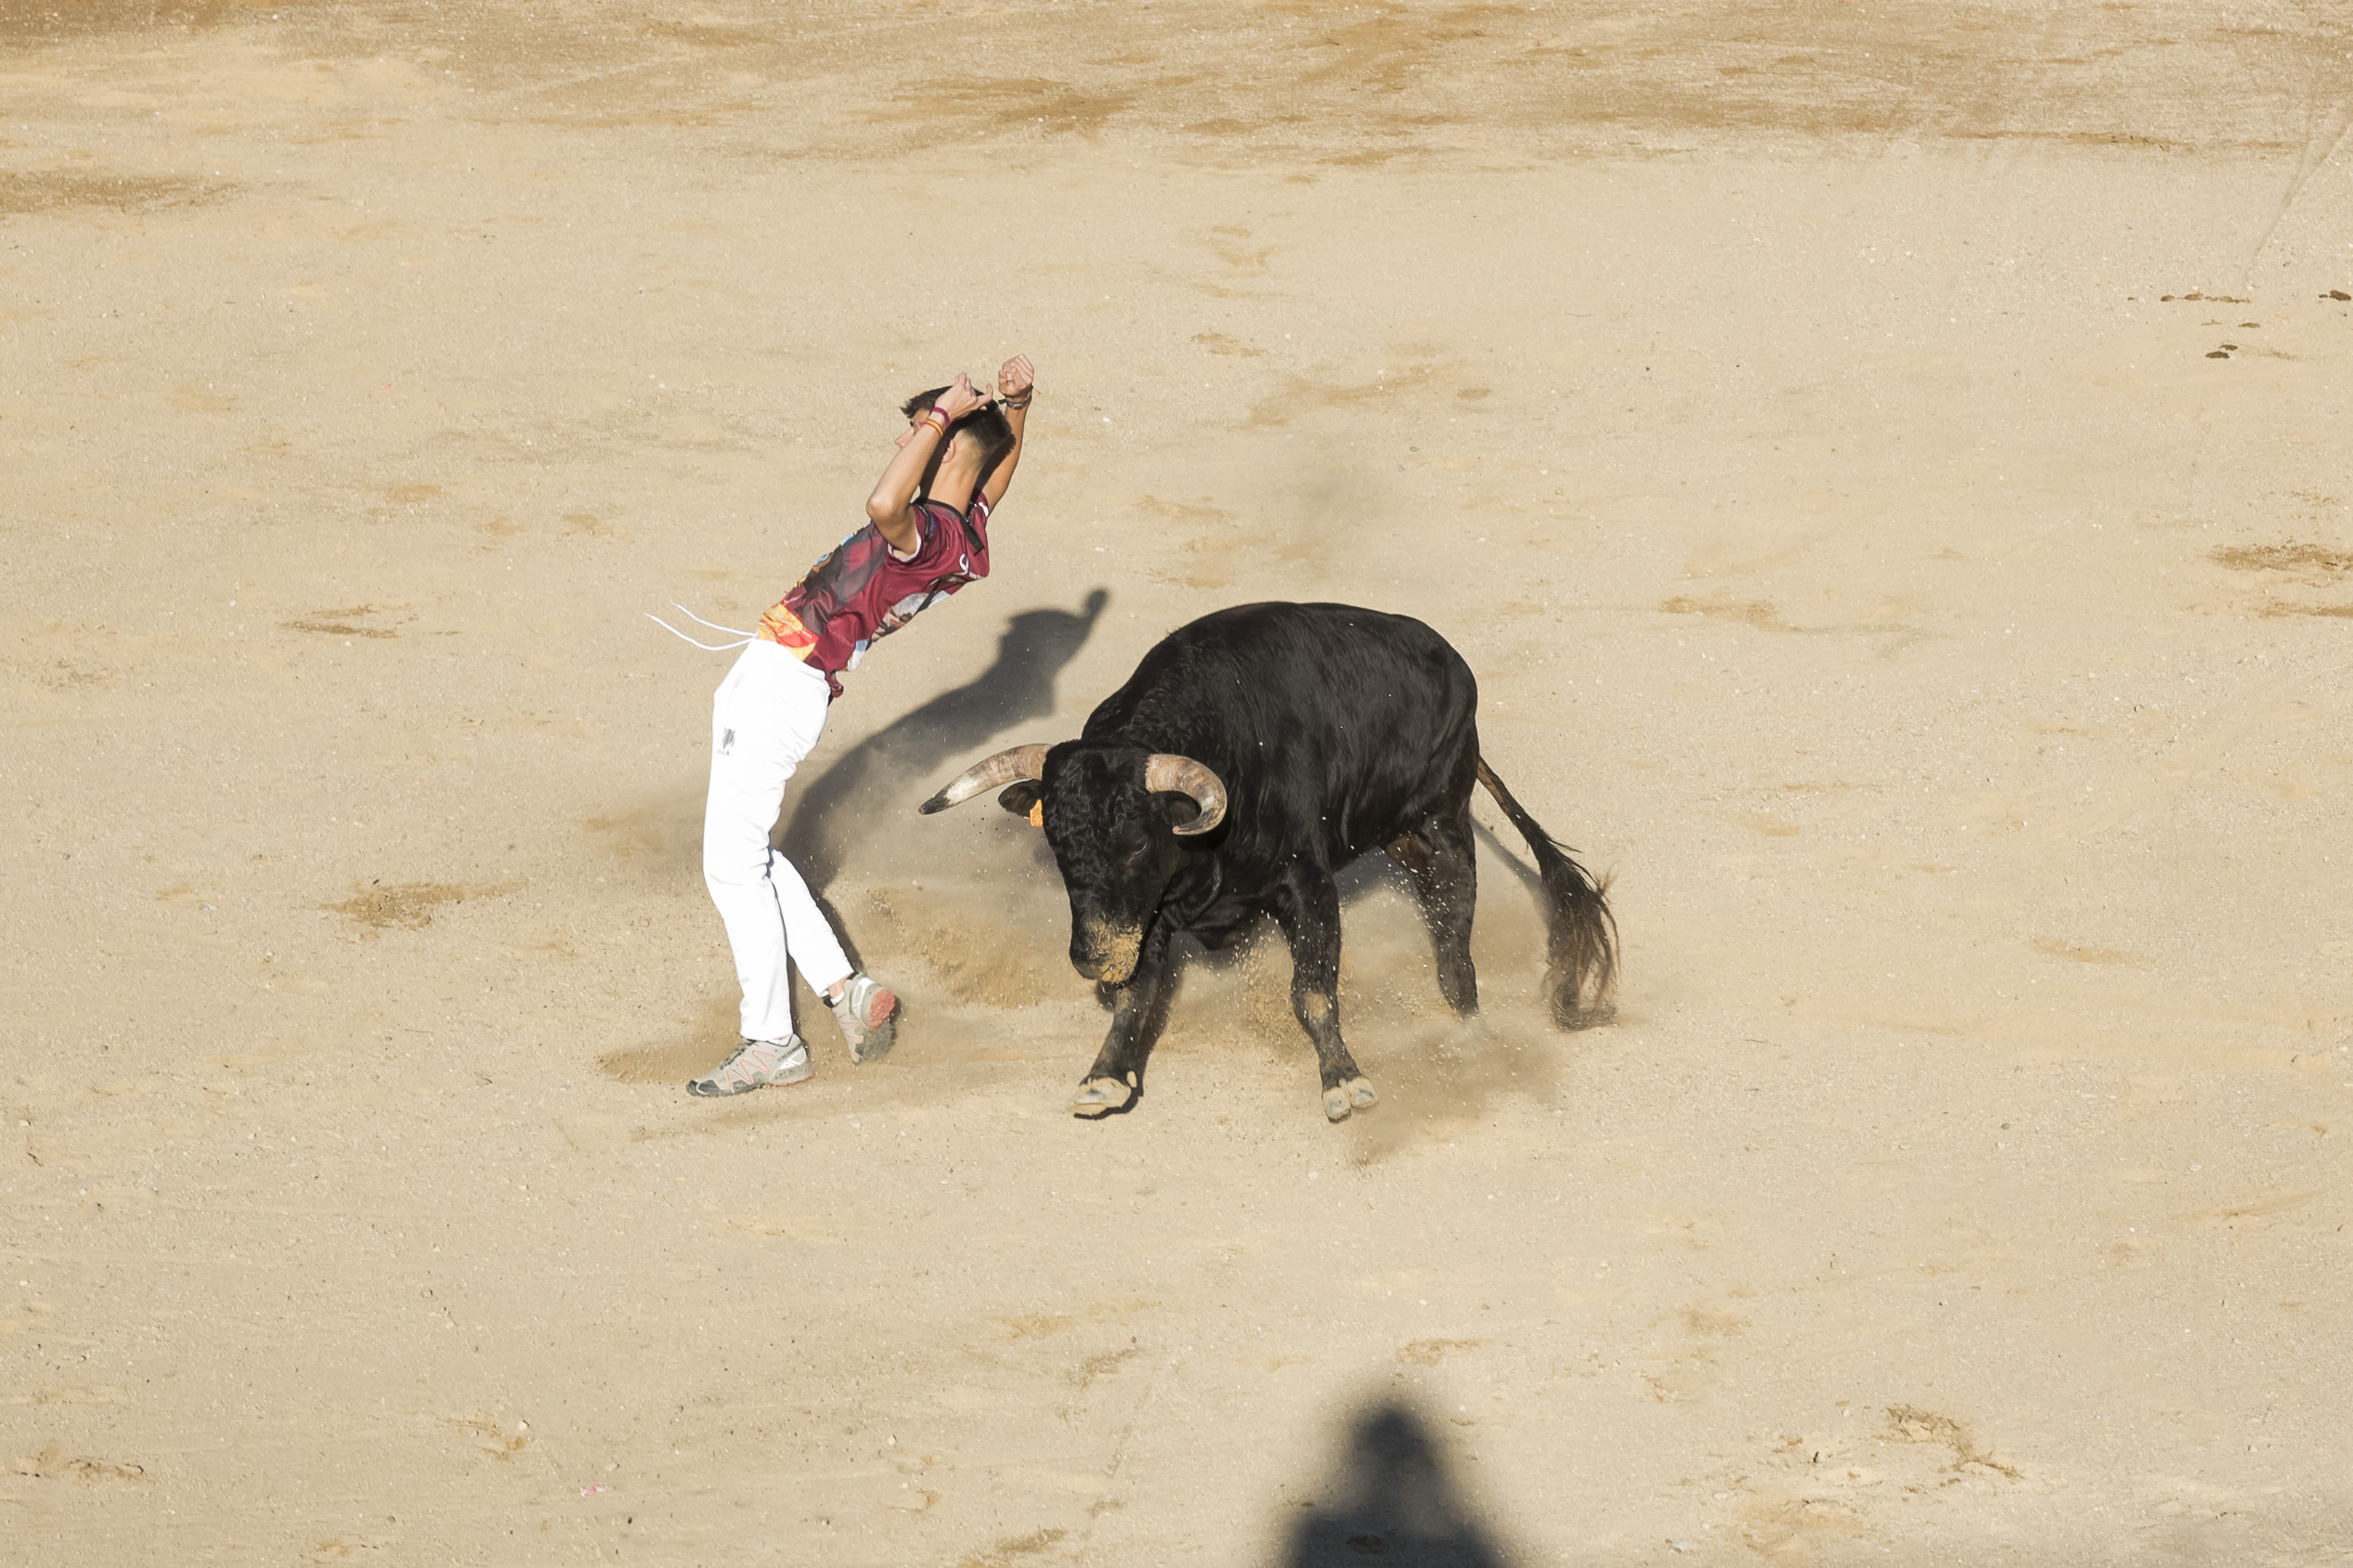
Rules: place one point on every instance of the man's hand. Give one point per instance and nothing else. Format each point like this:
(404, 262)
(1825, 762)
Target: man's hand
(959, 399)
(1015, 377)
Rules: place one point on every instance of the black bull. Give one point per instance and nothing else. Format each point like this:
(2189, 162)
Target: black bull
(1253, 754)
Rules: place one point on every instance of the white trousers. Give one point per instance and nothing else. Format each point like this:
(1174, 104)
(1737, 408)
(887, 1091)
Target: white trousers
(767, 717)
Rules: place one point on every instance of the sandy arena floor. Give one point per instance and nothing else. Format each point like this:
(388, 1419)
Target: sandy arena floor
(1887, 463)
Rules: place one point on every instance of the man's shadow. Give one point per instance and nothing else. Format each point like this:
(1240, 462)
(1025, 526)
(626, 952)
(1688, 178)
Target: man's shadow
(851, 799)
(1402, 1510)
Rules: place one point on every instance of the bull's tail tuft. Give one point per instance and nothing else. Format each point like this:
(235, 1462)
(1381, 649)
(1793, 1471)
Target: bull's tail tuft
(1581, 950)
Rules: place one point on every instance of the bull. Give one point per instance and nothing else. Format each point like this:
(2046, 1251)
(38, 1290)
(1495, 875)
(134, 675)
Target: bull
(1251, 757)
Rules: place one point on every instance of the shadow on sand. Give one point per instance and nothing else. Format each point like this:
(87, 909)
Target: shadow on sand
(867, 783)
(1402, 1508)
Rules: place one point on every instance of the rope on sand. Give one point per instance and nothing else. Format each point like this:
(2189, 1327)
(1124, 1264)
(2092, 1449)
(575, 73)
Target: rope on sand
(744, 637)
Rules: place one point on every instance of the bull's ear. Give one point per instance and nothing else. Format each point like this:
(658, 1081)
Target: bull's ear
(1023, 799)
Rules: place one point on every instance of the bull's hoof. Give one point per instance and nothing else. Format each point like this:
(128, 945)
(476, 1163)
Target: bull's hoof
(1352, 1095)
(1100, 1096)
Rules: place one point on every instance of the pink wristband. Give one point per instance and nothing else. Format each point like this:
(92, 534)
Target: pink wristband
(944, 421)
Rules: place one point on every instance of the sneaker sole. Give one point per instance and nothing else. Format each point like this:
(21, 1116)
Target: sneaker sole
(877, 1044)
(694, 1086)
(882, 1029)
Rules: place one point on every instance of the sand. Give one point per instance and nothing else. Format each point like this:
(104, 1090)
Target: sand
(1885, 463)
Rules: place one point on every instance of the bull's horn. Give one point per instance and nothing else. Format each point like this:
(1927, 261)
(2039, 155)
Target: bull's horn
(1004, 767)
(1166, 771)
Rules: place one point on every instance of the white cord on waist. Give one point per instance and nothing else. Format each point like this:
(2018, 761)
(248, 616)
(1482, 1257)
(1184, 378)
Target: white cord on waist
(745, 636)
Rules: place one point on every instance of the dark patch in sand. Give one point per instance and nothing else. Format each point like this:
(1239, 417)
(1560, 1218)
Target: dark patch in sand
(2310, 562)
(2314, 565)
(1218, 342)
(1759, 613)
(50, 1465)
(1912, 1424)
(407, 906)
(2278, 608)
(1013, 1547)
(2079, 953)
(964, 105)
(710, 35)
(49, 192)
(339, 623)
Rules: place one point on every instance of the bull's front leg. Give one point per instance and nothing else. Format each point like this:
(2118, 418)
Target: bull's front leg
(1117, 1077)
(1308, 911)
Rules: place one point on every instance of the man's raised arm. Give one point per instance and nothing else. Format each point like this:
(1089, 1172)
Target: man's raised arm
(1016, 384)
(891, 507)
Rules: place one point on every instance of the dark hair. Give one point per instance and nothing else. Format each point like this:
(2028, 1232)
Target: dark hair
(986, 424)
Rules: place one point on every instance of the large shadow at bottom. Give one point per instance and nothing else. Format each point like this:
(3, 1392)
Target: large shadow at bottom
(848, 801)
(1402, 1508)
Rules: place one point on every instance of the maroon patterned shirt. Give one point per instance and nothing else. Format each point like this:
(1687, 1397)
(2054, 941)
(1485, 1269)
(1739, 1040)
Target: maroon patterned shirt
(858, 591)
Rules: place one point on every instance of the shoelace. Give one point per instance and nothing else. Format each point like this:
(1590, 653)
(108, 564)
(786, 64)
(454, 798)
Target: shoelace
(784, 1054)
(745, 636)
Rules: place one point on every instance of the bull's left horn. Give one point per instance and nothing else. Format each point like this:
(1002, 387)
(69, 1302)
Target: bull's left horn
(1166, 771)
(1004, 767)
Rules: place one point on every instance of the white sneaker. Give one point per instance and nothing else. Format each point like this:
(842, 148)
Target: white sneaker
(755, 1063)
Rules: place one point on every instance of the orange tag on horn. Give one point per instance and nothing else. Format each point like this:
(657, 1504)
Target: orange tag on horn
(1037, 814)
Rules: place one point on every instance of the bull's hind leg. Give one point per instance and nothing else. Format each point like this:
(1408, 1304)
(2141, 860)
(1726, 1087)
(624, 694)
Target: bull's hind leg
(1117, 1077)
(1439, 858)
(1308, 911)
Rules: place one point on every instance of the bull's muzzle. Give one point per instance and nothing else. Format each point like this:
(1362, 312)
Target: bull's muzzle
(1105, 952)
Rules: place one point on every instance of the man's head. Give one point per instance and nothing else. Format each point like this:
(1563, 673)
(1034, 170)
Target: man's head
(984, 430)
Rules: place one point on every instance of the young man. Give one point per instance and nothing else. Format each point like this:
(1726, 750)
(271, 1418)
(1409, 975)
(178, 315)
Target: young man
(927, 535)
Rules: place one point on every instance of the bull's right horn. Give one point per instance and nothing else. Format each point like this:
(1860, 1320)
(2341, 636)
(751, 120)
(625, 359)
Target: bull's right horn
(1004, 767)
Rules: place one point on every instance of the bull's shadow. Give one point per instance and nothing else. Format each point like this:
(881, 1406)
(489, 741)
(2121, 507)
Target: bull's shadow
(863, 787)
(1402, 1507)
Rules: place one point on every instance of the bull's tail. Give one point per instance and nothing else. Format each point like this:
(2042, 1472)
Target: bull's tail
(1581, 949)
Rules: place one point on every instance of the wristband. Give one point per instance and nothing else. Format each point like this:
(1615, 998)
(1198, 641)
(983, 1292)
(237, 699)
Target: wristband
(944, 421)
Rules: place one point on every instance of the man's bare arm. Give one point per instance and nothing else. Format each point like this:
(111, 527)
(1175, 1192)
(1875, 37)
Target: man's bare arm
(891, 507)
(1016, 382)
